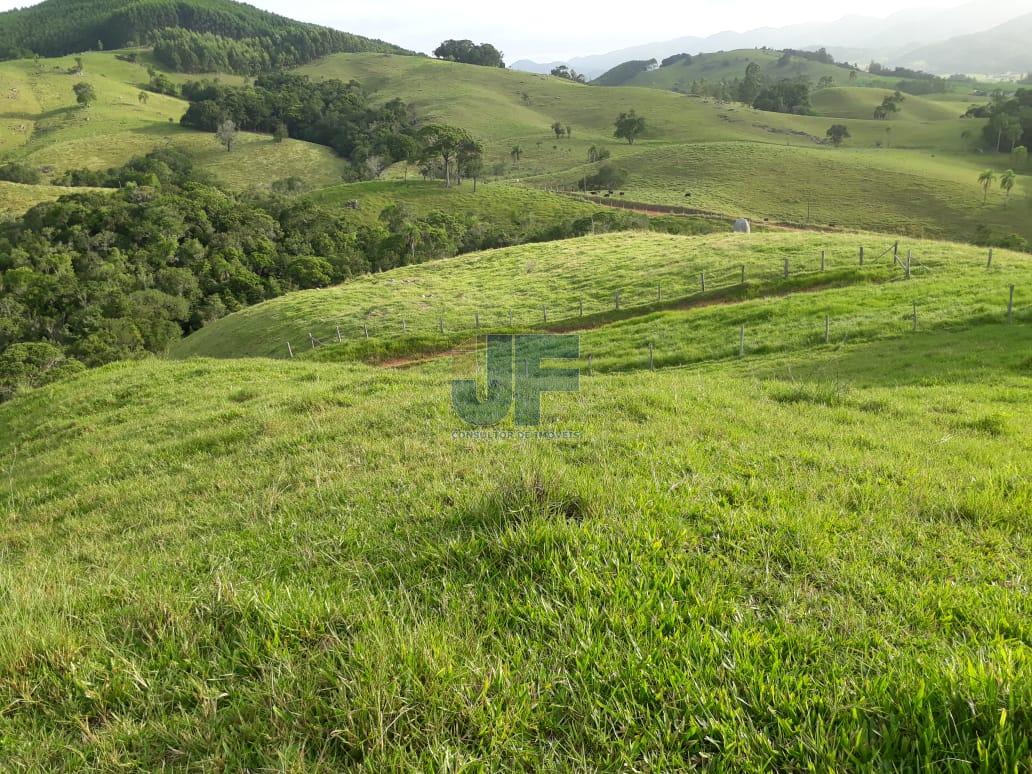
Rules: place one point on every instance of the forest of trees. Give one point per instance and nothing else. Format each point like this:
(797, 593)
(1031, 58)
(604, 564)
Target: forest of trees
(60, 27)
(330, 112)
(108, 276)
(187, 51)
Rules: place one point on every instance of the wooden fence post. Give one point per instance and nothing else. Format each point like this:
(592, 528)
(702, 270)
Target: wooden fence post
(827, 329)
(365, 328)
(476, 320)
(617, 297)
(339, 339)
(290, 350)
(580, 307)
(544, 313)
(861, 255)
(1010, 305)
(441, 324)
(659, 294)
(989, 263)
(702, 279)
(652, 362)
(510, 318)
(404, 325)
(786, 268)
(591, 365)
(910, 255)
(822, 260)
(741, 341)
(895, 253)
(743, 273)
(915, 315)
(311, 339)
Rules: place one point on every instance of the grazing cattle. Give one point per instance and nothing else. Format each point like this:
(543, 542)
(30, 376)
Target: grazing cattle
(688, 195)
(742, 226)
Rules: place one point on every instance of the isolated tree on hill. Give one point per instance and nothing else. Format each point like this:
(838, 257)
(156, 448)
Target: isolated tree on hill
(751, 85)
(825, 82)
(852, 76)
(1007, 180)
(227, 134)
(1020, 156)
(597, 154)
(629, 126)
(143, 97)
(280, 133)
(889, 105)
(85, 94)
(564, 72)
(470, 160)
(516, 151)
(837, 133)
(986, 179)
(444, 142)
(467, 52)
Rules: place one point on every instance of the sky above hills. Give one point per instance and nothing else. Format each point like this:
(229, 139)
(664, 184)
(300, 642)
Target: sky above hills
(546, 30)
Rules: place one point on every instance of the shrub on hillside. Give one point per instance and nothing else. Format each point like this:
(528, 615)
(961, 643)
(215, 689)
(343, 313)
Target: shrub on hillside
(29, 365)
(608, 177)
(13, 172)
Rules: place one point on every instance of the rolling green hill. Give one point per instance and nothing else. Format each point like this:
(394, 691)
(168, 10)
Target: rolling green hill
(60, 27)
(859, 103)
(733, 158)
(573, 282)
(728, 65)
(807, 561)
(41, 125)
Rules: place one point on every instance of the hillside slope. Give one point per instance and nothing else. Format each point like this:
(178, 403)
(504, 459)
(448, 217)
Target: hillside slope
(60, 27)
(926, 185)
(1001, 50)
(573, 283)
(792, 564)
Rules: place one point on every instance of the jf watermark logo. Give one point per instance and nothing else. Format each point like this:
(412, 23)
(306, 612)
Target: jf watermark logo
(516, 375)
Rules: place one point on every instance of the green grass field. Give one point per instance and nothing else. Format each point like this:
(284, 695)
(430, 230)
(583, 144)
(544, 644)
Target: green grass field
(813, 562)
(731, 157)
(903, 192)
(564, 279)
(807, 549)
(728, 65)
(41, 125)
(859, 103)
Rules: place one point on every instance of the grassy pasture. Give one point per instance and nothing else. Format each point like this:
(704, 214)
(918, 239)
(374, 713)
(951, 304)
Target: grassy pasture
(496, 203)
(891, 190)
(557, 276)
(18, 198)
(41, 125)
(728, 65)
(768, 564)
(859, 103)
(742, 161)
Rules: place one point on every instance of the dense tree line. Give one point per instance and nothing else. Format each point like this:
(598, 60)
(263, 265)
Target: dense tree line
(330, 112)
(108, 276)
(187, 51)
(59, 27)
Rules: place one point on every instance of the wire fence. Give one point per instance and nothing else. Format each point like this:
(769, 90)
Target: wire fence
(588, 309)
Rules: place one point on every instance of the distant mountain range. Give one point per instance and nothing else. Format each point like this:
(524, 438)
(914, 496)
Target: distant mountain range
(976, 37)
